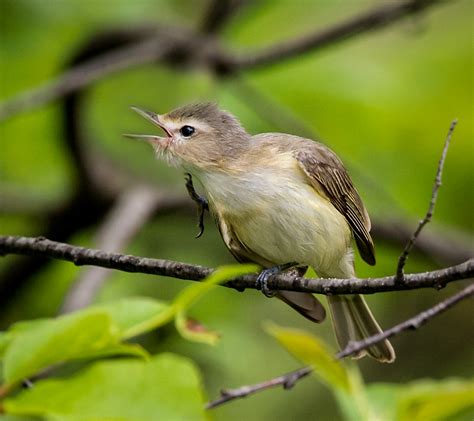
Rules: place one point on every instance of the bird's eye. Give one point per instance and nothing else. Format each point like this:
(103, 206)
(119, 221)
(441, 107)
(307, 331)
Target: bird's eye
(187, 131)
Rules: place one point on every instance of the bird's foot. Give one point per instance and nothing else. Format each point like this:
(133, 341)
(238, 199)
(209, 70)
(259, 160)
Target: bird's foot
(202, 203)
(265, 274)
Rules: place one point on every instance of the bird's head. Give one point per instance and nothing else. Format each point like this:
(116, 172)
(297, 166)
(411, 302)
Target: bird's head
(200, 134)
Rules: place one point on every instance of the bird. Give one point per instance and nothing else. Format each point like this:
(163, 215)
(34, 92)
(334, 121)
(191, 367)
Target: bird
(279, 200)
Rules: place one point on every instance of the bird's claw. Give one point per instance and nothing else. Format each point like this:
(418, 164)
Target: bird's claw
(202, 203)
(265, 274)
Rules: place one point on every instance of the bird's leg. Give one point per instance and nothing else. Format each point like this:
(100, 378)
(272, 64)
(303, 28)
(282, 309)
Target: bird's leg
(202, 204)
(265, 274)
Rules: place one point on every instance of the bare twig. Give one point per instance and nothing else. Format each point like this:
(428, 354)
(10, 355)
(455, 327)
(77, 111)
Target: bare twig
(352, 348)
(444, 247)
(286, 380)
(131, 211)
(434, 195)
(376, 18)
(413, 323)
(83, 256)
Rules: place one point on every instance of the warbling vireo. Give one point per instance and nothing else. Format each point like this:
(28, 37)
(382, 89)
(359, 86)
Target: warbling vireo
(279, 200)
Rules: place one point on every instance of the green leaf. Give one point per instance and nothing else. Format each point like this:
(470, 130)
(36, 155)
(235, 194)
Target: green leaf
(5, 338)
(435, 400)
(55, 341)
(130, 313)
(312, 351)
(167, 387)
(187, 297)
(196, 331)
(123, 349)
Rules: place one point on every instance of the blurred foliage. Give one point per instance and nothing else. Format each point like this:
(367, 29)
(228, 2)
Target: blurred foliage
(383, 101)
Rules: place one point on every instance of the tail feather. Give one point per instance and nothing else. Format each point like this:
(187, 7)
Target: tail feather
(304, 303)
(353, 321)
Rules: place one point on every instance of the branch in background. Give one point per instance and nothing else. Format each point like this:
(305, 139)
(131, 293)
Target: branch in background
(187, 47)
(83, 75)
(131, 211)
(218, 13)
(434, 195)
(352, 348)
(286, 380)
(127, 263)
(413, 323)
(444, 247)
(376, 18)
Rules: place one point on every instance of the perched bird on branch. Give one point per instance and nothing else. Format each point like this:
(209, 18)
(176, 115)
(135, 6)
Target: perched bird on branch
(279, 200)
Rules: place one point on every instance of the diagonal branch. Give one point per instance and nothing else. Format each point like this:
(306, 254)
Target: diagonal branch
(429, 214)
(376, 18)
(412, 323)
(288, 380)
(40, 246)
(187, 47)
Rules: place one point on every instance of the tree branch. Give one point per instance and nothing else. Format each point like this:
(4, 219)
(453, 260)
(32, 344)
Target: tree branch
(131, 211)
(288, 380)
(187, 47)
(83, 256)
(376, 18)
(434, 195)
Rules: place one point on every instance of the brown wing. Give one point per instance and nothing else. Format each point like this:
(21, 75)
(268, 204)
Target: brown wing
(329, 177)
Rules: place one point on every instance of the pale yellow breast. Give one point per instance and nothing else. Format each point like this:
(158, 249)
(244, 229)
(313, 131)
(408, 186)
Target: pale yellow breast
(280, 217)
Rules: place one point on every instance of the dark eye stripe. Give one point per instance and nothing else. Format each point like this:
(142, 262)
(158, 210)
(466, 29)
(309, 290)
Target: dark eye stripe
(187, 131)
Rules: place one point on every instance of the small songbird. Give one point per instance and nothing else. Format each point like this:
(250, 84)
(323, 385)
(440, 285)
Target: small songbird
(279, 201)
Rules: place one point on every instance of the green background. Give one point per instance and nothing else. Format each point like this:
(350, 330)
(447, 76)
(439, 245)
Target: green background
(383, 101)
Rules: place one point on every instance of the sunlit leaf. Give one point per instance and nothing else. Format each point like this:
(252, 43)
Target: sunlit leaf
(119, 349)
(436, 400)
(130, 314)
(167, 387)
(186, 298)
(312, 351)
(55, 341)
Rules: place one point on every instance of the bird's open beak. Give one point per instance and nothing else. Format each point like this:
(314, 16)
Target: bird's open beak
(153, 139)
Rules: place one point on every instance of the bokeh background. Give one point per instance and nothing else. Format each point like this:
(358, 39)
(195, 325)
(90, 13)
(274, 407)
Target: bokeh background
(382, 100)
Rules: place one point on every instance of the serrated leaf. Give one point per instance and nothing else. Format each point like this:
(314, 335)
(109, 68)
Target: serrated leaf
(312, 351)
(166, 387)
(55, 341)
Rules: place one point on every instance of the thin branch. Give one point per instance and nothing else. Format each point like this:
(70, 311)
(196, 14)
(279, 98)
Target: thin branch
(286, 380)
(376, 18)
(429, 214)
(413, 323)
(83, 256)
(352, 348)
(131, 211)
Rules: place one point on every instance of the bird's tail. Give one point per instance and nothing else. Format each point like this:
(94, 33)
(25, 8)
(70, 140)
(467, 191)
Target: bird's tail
(353, 321)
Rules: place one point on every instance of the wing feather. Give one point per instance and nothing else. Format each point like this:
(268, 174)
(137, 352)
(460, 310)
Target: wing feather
(328, 176)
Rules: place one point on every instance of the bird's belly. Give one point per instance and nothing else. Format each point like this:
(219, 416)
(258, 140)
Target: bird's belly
(285, 221)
